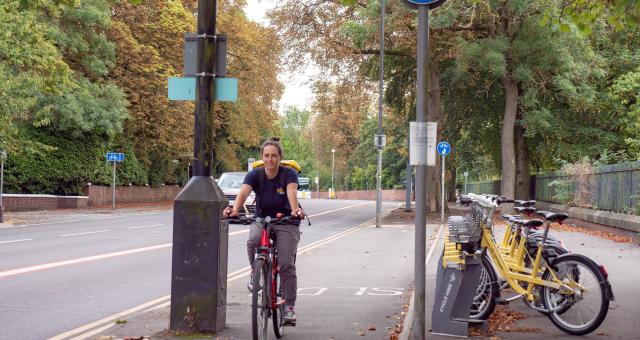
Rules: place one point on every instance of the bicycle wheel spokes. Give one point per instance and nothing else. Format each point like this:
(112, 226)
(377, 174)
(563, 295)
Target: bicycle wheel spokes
(259, 301)
(581, 311)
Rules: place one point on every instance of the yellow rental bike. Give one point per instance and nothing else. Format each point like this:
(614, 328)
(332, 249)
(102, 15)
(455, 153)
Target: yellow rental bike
(571, 289)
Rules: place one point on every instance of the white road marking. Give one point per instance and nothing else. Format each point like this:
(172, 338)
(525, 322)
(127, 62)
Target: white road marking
(334, 210)
(79, 260)
(13, 241)
(109, 319)
(239, 232)
(146, 226)
(85, 233)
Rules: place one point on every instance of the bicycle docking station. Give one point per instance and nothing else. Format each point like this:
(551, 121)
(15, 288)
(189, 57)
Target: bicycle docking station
(457, 279)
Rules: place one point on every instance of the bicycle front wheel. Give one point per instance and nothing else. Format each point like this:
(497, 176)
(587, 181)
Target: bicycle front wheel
(277, 313)
(484, 300)
(260, 301)
(582, 311)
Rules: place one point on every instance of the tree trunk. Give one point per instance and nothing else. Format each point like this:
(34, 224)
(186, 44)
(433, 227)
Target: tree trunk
(523, 178)
(507, 186)
(451, 186)
(434, 114)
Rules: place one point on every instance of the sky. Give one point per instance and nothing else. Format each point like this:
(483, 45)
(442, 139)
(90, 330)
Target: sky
(297, 85)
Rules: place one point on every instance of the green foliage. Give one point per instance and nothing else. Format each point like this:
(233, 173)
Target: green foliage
(66, 165)
(295, 139)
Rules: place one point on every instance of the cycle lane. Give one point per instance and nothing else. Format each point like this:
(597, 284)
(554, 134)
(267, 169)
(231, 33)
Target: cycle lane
(350, 288)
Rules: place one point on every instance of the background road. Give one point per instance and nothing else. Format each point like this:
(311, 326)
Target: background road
(56, 277)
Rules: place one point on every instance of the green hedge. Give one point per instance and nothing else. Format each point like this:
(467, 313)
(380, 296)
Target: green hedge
(64, 165)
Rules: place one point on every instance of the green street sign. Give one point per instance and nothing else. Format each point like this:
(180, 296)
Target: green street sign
(185, 89)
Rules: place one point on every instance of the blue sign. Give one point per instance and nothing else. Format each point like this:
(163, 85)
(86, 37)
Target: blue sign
(115, 157)
(185, 89)
(430, 3)
(444, 148)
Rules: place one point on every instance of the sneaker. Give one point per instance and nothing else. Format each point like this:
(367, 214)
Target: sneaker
(250, 283)
(289, 316)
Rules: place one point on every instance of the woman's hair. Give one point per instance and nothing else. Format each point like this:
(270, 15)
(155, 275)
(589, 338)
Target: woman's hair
(275, 141)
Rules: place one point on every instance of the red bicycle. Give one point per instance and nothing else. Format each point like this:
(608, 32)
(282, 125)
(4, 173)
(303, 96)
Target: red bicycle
(266, 295)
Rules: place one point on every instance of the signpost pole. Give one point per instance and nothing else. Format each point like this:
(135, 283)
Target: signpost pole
(379, 138)
(3, 155)
(421, 176)
(443, 201)
(466, 174)
(113, 195)
(200, 237)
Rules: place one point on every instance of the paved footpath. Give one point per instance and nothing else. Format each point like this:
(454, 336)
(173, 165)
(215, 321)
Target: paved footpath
(353, 287)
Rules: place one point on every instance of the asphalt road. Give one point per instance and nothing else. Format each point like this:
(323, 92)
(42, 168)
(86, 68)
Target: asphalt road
(58, 276)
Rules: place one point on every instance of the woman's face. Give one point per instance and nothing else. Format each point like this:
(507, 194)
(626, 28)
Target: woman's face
(271, 157)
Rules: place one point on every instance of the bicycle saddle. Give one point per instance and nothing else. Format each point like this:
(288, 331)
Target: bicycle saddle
(553, 217)
(465, 200)
(526, 210)
(512, 218)
(532, 223)
(525, 203)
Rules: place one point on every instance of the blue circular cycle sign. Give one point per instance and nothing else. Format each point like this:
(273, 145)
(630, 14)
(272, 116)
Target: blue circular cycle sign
(444, 148)
(430, 3)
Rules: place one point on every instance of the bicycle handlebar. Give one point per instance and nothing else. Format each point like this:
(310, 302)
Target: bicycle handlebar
(268, 219)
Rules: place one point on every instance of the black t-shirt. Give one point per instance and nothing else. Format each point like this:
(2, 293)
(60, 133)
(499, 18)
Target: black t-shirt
(273, 198)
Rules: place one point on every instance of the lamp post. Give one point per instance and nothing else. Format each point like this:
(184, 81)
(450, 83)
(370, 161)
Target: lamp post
(3, 156)
(333, 170)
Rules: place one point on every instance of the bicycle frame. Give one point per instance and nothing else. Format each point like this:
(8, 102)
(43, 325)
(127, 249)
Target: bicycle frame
(266, 251)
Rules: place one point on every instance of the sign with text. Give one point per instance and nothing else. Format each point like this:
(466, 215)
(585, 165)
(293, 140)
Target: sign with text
(422, 143)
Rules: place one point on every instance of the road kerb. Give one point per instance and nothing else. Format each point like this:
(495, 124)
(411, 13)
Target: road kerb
(407, 324)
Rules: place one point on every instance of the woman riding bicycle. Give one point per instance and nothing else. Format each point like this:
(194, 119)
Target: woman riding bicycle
(276, 195)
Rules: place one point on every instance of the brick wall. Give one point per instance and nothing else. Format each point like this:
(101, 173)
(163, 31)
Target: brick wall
(102, 195)
(387, 195)
(19, 202)
(98, 195)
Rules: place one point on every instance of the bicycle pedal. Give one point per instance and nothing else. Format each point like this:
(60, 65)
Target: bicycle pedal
(502, 301)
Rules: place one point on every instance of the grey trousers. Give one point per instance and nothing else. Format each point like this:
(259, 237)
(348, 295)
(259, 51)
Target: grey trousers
(287, 238)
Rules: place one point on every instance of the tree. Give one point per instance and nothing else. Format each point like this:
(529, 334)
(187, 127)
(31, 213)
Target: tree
(296, 138)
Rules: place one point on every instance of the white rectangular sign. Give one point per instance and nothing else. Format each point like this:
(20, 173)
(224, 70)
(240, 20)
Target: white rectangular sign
(432, 133)
(422, 143)
(417, 143)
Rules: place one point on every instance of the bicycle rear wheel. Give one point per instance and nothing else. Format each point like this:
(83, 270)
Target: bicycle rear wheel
(260, 300)
(277, 313)
(583, 311)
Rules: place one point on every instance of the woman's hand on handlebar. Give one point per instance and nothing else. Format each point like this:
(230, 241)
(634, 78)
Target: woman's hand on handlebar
(298, 213)
(229, 212)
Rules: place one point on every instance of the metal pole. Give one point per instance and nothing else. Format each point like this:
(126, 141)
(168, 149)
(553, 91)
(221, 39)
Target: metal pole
(2, 156)
(465, 185)
(409, 179)
(333, 169)
(443, 201)
(380, 102)
(200, 237)
(421, 174)
(113, 196)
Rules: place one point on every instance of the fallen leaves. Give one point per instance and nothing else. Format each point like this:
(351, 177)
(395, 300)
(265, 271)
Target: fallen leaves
(503, 320)
(597, 233)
